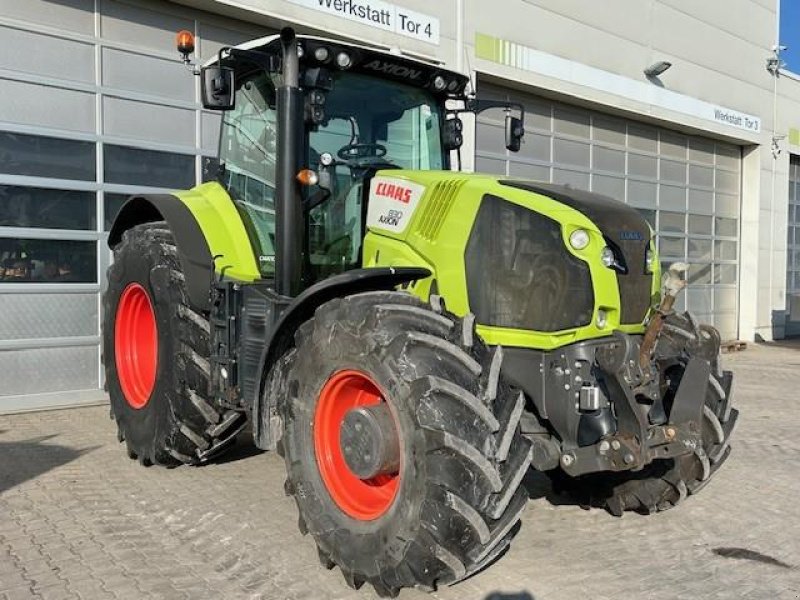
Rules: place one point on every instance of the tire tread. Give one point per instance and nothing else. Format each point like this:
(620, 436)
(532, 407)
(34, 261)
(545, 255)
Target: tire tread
(464, 526)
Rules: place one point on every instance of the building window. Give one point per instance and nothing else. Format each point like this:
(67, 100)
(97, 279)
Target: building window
(22, 206)
(47, 261)
(151, 168)
(39, 156)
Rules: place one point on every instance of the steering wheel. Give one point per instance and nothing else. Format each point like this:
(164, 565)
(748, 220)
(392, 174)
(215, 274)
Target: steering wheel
(359, 151)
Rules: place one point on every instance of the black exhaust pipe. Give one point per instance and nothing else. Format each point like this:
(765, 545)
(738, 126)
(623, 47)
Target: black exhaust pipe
(288, 203)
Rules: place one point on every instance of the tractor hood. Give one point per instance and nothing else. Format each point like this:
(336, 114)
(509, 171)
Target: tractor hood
(539, 265)
(618, 221)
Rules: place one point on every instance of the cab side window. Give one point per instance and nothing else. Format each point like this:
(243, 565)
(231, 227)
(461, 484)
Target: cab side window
(247, 154)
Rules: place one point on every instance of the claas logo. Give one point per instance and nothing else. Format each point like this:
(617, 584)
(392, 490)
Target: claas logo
(393, 191)
(630, 236)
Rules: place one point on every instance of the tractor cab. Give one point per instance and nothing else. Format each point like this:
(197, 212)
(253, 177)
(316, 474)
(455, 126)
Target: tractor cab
(354, 110)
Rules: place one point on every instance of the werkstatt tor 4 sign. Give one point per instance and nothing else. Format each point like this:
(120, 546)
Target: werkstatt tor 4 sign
(383, 15)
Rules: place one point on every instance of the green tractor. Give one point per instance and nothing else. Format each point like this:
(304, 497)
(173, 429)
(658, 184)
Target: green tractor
(410, 338)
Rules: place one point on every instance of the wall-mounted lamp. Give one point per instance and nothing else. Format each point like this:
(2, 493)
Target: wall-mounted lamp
(774, 62)
(657, 68)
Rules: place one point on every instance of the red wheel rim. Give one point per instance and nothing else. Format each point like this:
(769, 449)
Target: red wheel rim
(136, 345)
(364, 500)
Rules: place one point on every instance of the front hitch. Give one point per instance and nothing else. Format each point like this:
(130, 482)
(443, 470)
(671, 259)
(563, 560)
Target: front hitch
(633, 392)
(635, 383)
(624, 452)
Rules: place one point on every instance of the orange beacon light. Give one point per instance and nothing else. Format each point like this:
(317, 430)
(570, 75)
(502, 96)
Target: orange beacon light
(185, 43)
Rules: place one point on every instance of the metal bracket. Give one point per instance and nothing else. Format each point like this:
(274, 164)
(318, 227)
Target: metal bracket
(632, 421)
(625, 453)
(691, 395)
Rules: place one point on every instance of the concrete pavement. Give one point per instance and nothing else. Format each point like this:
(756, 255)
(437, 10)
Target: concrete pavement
(78, 519)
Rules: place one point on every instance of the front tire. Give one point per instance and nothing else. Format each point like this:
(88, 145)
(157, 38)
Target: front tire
(455, 501)
(156, 353)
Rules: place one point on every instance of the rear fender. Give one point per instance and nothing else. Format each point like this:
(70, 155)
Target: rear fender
(208, 230)
(193, 251)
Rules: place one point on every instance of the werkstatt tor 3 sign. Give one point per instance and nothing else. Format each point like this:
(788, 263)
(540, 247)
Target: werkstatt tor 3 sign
(383, 15)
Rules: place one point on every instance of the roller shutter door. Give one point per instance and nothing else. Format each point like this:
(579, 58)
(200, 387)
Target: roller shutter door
(97, 105)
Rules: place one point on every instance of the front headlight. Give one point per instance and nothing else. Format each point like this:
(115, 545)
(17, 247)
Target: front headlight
(579, 239)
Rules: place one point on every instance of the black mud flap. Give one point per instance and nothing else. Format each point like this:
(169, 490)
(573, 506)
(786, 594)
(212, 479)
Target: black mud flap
(691, 396)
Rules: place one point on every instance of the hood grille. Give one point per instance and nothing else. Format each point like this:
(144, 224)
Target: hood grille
(621, 224)
(436, 207)
(520, 274)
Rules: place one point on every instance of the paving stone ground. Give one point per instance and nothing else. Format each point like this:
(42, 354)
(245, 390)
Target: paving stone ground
(78, 519)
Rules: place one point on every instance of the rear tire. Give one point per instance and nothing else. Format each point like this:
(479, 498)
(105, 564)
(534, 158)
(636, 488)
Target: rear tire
(170, 418)
(459, 493)
(663, 484)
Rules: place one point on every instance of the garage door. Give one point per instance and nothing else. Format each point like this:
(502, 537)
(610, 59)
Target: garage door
(793, 246)
(687, 187)
(96, 105)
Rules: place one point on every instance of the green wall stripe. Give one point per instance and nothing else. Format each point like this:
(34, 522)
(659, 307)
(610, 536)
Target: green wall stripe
(487, 47)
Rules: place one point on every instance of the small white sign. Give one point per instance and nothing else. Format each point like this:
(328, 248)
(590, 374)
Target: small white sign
(380, 14)
(737, 119)
(392, 203)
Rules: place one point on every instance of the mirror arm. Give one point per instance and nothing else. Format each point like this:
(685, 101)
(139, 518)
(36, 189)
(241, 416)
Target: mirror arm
(515, 130)
(478, 106)
(324, 188)
(317, 198)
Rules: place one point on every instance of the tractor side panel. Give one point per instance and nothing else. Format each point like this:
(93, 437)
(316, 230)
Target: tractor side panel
(382, 251)
(224, 231)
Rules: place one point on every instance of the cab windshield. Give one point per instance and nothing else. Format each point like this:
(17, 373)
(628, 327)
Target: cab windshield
(369, 124)
(401, 119)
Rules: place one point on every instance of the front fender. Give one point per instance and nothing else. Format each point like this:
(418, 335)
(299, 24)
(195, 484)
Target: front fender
(302, 308)
(193, 250)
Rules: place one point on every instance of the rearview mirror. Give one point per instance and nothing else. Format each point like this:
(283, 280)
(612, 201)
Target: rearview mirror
(217, 87)
(514, 132)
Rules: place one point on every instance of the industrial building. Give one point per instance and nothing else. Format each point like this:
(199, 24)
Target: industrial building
(679, 108)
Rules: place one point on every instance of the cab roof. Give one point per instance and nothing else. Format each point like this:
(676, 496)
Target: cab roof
(365, 59)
